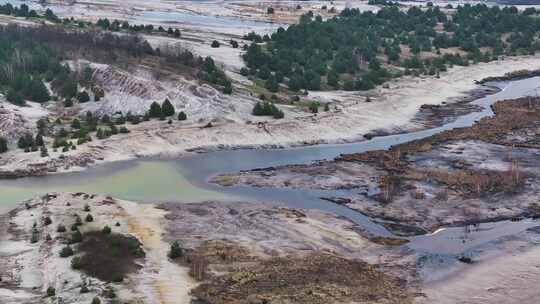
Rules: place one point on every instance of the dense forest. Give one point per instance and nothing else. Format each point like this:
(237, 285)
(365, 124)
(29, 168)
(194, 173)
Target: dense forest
(31, 56)
(359, 50)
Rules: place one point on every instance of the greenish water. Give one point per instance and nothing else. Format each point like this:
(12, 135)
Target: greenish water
(138, 180)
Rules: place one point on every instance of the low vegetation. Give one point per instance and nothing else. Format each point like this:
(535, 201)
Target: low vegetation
(311, 279)
(107, 256)
(267, 109)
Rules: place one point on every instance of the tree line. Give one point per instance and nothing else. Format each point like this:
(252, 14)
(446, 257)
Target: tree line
(31, 56)
(359, 50)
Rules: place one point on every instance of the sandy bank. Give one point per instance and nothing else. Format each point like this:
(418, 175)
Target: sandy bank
(391, 109)
(30, 246)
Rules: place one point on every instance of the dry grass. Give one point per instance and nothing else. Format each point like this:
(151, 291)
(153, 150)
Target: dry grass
(315, 279)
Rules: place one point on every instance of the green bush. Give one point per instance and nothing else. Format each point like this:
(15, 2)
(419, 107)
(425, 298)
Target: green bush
(176, 250)
(47, 221)
(76, 263)
(106, 230)
(182, 116)
(66, 252)
(76, 237)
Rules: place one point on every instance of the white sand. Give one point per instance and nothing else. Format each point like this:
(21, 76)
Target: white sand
(161, 280)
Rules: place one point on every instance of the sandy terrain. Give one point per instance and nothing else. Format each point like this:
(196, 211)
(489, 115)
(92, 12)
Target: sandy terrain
(28, 269)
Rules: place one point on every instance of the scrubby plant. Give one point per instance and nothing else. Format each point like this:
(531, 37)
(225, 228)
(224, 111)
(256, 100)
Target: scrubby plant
(47, 221)
(76, 237)
(76, 263)
(35, 236)
(182, 116)
(176, 250)
(106, 230)
(66, 252)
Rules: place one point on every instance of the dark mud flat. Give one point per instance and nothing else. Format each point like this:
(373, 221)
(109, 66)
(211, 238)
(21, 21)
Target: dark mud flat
(487, 172)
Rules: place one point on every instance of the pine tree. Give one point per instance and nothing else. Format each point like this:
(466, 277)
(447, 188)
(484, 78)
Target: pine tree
(3, 145)
(155, 110)
(100, 134)
(167, 108)
(76, 124)
(227, 89)
(257, 109)
(182, 116)
(271, 84)
(39, 93)
(39, 140)
(44, 152)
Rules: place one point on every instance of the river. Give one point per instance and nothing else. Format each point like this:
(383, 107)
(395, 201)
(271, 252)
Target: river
(186, 179)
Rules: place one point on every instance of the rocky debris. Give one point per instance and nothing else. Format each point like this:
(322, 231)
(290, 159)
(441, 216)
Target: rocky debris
(435, 115)
(12, 124)
(322, 175)
(515, 75)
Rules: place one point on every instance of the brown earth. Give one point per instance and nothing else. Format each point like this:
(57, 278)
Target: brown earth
(314, 278)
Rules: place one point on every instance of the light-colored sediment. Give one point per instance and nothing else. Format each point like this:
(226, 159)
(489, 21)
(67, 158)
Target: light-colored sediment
(511, 277)
(162, 281)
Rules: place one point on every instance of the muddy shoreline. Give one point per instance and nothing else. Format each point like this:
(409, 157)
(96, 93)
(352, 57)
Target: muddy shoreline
(428, 116)
(461, 176)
